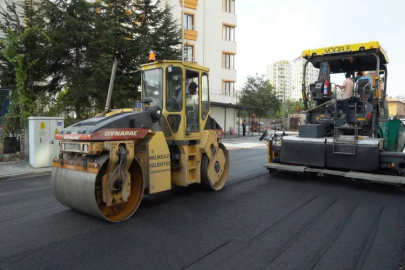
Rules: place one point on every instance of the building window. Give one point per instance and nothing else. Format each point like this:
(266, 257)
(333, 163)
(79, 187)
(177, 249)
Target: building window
(188, 21)
(228, 60)
(228, 33)
(228, 6)
(228, 88)
(205, 101)
(188, 53)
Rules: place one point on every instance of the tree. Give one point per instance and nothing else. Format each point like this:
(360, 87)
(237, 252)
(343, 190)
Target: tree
(22, 49)
(70, 26)
(290, 107)
(88, 36)
(84, 38)
(259, 93)
(128, 30)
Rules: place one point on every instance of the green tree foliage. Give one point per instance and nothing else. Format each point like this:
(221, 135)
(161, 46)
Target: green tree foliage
(259, 93)
(290, 107)
(70, 26)
(86, 37)
(22, 63)
(76, 54)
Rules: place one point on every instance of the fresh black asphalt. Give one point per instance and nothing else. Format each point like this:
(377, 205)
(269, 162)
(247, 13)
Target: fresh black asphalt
(258, 221)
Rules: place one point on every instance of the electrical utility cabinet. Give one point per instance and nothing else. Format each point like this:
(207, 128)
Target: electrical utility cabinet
(42, 144)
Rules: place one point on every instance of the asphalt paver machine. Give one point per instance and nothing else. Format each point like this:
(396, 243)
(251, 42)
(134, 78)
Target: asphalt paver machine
(370, 148)
(107, 163)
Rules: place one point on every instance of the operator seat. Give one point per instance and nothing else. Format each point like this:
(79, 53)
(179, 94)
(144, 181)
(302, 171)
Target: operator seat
(363, 87)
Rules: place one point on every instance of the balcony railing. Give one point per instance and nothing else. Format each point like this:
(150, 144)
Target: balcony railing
(190, 59)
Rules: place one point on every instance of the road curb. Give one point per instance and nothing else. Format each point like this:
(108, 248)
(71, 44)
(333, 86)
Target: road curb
(25, 175)
(240, 148)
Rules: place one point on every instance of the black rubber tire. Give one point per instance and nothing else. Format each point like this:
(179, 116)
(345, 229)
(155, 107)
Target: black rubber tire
(205, 182)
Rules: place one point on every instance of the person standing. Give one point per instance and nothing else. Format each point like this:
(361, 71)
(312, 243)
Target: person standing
(243, 127)
(348, 89)
(359, 74)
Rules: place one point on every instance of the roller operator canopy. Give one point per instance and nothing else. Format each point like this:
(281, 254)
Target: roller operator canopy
(159, 63)
(349, 58)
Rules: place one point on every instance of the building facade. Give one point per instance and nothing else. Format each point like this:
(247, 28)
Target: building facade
(279, 74)
(209, 40)
(287, 76)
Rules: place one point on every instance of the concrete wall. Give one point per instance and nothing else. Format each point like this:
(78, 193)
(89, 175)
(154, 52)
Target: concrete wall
(396, 108)
(218, 114)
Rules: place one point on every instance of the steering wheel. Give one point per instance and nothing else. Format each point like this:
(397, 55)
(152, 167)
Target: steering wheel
(171, 105)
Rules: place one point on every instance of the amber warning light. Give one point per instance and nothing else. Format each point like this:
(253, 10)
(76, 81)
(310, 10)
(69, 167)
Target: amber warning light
(152, 56)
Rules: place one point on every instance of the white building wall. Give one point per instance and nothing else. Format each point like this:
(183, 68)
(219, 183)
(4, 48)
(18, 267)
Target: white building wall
(4, 6)
(279, 74)
(214, 45)
(270, 73)
(287, 76)
(231, 119)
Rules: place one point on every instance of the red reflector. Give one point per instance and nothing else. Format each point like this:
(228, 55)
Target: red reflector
(369, 116)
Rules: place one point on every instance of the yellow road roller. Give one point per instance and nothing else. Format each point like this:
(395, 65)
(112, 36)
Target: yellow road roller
(107, 163)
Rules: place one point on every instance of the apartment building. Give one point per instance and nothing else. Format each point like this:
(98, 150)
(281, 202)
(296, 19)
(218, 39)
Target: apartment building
(287, 77)
(209, 40)
(279, 74)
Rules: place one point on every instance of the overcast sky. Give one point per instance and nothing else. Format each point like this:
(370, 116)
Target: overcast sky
(273, 30)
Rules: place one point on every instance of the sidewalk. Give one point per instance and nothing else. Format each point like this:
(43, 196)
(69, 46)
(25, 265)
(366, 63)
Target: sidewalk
(21, 169)
(233, 142)
(247, 136)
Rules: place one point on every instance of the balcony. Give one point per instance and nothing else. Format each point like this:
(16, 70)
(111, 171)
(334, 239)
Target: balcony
(191, 59)
(224, 98)
(189, 3)
(190, 34)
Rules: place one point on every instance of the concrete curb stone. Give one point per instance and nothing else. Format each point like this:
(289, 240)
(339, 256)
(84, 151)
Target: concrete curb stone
(26, 174)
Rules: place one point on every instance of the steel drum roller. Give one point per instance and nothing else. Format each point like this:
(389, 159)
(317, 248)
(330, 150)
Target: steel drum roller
(77, 190)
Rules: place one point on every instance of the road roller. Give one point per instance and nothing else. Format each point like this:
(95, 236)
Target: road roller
(107, 163)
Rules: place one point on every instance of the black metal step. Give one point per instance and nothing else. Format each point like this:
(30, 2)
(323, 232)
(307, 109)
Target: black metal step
(349, 128)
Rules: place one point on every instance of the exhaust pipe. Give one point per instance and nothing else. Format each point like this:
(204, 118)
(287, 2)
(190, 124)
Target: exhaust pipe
(110, 88)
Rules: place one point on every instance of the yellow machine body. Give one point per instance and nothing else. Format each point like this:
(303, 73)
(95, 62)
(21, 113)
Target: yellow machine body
(108, 162)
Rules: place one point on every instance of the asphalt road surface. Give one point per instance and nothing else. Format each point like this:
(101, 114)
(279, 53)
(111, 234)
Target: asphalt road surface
(281, 221)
